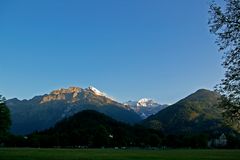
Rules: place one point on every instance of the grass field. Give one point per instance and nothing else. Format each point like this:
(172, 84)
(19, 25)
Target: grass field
(111, 154)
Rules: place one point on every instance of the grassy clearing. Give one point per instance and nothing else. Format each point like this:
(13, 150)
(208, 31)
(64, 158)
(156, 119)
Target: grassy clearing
(111, 154)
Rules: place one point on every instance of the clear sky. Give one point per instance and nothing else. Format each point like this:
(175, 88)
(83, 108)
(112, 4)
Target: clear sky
(129, 49)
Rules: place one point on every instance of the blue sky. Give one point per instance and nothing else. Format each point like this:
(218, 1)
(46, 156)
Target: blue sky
(129, 49)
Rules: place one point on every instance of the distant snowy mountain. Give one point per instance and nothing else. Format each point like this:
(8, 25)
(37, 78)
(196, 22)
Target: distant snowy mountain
(145, 102)
(145, 107)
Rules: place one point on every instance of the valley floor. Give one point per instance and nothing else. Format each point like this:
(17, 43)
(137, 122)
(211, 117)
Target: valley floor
(112, 154)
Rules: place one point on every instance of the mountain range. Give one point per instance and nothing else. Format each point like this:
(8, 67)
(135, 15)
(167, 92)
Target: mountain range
(42, 112)
(197, 113)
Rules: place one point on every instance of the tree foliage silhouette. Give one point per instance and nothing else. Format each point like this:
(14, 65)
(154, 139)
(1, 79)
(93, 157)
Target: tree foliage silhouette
(224, 22)
(5, 121)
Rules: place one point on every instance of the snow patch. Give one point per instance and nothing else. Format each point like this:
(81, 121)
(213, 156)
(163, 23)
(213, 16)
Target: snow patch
(145, 102)
(99, 93)
(96, 91)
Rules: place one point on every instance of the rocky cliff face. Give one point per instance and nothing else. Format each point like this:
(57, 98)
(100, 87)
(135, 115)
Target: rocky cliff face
(69, 95)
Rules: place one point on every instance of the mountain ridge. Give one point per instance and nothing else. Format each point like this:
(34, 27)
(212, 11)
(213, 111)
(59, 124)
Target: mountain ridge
(44, 111)
(92, 129)
(198, 112)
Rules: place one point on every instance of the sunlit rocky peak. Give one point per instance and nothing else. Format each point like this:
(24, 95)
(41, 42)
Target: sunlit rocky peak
(68, 90)
(68, 94)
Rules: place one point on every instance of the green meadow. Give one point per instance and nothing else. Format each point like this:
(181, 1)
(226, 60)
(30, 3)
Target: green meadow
(112, 154)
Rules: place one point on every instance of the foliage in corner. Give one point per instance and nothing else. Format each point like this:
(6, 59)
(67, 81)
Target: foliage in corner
(224, 22)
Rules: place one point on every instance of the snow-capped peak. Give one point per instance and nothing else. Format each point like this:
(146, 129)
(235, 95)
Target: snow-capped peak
(145, 102)
(96, 91)
(99, 93)
(145, 107)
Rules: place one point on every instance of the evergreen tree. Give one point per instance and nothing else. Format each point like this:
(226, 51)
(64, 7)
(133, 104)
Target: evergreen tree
(4, 119)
